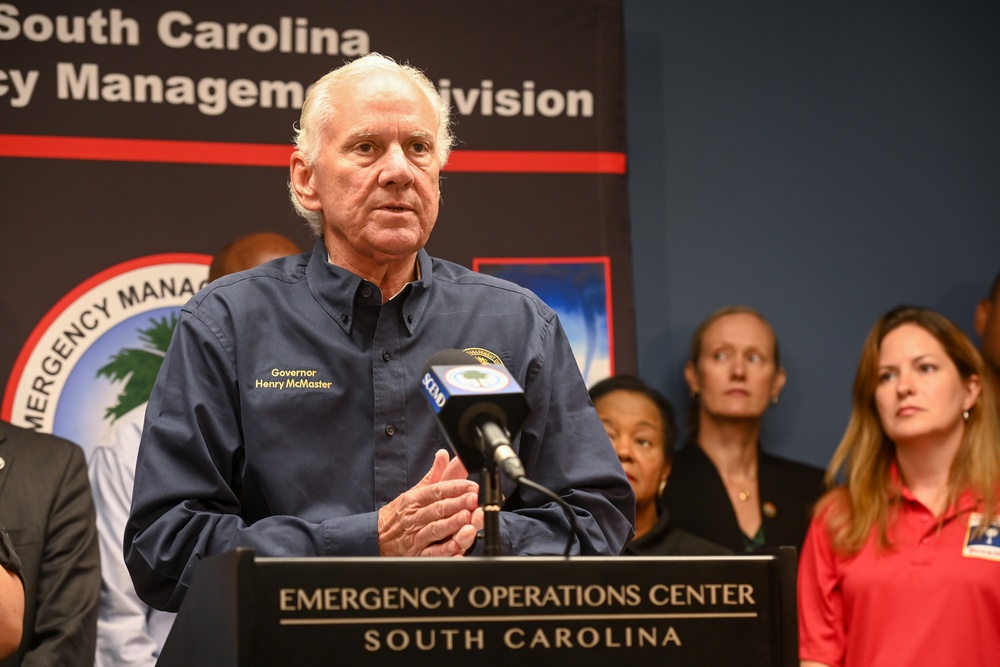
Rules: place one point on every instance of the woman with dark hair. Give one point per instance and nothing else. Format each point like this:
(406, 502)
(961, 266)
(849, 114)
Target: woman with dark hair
(902, 563)
(723, 486)
(640, 422)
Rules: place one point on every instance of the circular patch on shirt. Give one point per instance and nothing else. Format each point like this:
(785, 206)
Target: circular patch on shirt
(479, 379)
(769, 510)
(483, 355)
(94, 356)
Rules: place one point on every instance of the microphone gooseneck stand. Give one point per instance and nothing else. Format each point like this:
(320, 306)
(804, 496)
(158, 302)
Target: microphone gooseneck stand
(491, 507)
(489, 439)
(493, 499)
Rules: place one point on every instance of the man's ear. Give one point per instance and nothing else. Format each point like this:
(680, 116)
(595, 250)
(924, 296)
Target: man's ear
(301, 176)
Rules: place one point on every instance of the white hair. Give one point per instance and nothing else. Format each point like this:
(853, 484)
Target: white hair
(318, 109)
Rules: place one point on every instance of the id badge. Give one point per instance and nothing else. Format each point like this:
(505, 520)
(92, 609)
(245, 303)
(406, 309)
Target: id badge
(985, 546)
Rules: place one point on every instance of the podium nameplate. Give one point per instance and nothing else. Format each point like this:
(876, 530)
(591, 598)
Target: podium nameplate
(586, 611)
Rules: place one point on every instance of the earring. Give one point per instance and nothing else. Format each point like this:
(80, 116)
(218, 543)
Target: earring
(774, 399)
(965, 415)
(663, 487)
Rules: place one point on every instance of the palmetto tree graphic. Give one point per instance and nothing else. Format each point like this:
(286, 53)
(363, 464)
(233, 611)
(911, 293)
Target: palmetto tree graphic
(137, 367)
(478, 377)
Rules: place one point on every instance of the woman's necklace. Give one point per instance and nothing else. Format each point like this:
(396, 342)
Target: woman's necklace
(742, 487)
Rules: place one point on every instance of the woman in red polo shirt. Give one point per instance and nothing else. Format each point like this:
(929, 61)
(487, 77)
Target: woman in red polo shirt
(902, 561)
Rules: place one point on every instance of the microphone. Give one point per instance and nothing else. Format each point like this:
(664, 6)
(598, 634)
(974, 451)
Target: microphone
(481, 407)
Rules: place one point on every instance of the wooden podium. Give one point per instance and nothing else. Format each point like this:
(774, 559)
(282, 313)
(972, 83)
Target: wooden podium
(243, 611)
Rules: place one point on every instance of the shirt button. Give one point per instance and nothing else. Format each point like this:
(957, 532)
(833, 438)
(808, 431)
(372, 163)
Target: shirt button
(366, 292)
(385, 356)
(344, 318)
(390, 430)
(409, 318)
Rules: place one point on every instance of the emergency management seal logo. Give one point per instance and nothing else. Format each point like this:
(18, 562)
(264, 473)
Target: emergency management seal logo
(483, 355)
(96, 353)
(476, 378)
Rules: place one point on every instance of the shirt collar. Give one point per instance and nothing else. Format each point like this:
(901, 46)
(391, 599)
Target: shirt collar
(419, 292)
(898, 488)
(337, 290)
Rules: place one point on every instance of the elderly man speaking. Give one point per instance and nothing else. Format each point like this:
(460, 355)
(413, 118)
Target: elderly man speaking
(288, 415)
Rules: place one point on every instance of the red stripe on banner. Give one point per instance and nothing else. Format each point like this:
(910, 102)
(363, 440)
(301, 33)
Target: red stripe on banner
(143, 150)
(271, 155)
(538, 162)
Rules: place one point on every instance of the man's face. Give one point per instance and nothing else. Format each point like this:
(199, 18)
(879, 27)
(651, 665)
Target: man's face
(376, 177)
(988, 327)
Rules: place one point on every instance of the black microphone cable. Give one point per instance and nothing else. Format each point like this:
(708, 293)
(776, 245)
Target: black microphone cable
(567, 510)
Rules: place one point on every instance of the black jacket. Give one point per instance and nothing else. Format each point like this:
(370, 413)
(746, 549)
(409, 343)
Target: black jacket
(699, 503)
(47, 508)
(664, 539)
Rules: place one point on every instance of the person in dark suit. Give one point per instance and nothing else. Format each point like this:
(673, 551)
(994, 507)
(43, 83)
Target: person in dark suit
(723, 486)
(48, 511)
(11, 597)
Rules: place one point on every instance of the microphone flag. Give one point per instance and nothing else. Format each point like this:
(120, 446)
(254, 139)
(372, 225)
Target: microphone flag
(465, 394)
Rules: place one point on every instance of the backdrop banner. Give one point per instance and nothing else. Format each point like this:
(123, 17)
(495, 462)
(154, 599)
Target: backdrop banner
(138, 139)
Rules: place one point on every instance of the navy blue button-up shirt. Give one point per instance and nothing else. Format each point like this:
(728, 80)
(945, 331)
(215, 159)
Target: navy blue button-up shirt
(289, 410)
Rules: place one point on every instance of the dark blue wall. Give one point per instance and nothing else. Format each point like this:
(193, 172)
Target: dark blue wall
(822, 162)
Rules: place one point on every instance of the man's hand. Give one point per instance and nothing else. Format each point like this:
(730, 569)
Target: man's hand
(439, 516)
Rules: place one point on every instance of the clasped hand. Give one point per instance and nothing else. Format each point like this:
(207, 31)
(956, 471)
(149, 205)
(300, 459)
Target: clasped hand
(439, 516)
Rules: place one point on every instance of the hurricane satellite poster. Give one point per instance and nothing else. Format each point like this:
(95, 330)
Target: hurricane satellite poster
(579, 290)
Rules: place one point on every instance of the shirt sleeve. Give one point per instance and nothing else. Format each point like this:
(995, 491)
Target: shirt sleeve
(820, 599)
(123, 635)
(565, 448)
(186, 499)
